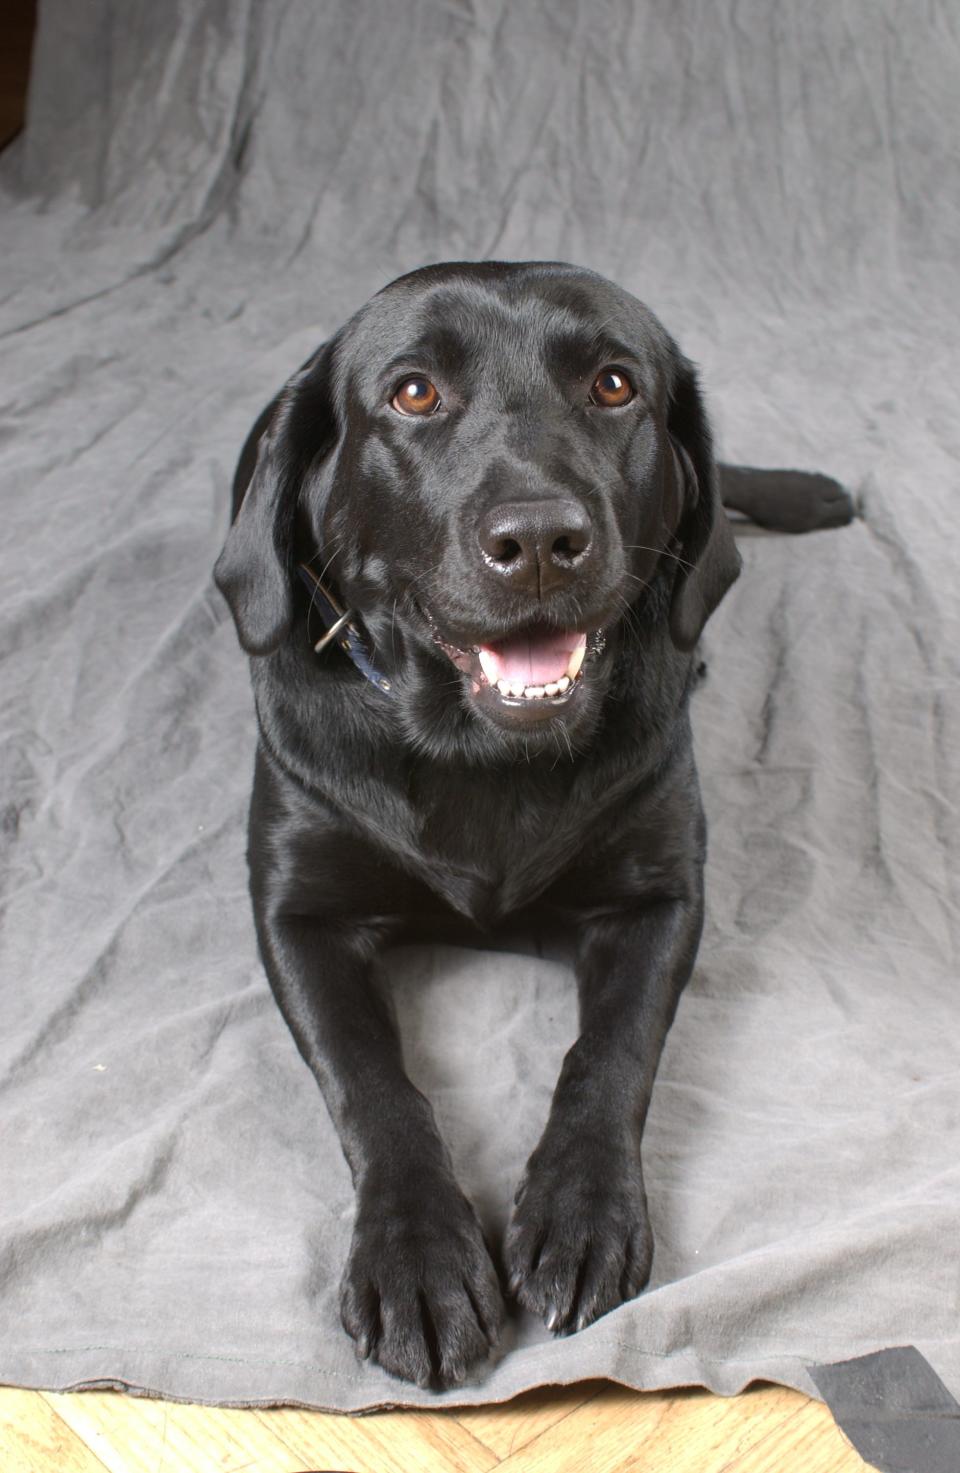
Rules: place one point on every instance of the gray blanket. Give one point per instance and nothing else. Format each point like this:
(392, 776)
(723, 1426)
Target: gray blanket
(204, 192)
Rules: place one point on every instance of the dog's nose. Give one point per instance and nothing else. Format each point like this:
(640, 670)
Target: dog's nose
(539, 545)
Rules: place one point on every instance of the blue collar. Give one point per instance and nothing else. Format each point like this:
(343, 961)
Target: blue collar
(338, 624)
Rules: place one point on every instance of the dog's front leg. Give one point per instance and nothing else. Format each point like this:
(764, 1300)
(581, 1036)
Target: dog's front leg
(419, 1293)
(580, 1242)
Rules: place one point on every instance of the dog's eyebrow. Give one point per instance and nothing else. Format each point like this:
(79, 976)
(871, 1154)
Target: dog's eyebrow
(416, 356)
(441, 348)
(569, 348)
(613, 348)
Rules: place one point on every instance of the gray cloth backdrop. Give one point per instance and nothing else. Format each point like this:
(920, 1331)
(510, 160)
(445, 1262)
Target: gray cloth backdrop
(203, 192)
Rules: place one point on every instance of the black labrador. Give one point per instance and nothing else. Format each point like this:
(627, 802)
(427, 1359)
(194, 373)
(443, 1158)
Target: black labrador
(494, 490)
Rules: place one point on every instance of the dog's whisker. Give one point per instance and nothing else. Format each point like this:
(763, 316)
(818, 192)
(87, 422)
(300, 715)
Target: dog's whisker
(663, 551)
(562, 729)
(315, 591)
(629, 614)
(427, 573)
(336, 547)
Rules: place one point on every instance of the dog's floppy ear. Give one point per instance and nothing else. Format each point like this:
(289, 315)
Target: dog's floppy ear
(255, 572)
(709, 559)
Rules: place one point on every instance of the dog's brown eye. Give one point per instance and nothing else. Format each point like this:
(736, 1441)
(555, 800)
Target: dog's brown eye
(416, 396)
(611, 388)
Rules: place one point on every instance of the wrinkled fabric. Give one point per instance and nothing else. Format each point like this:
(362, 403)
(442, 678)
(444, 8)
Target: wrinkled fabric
(204, 192)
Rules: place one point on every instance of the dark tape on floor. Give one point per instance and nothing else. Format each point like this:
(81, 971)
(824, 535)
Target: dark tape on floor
(895, 1410)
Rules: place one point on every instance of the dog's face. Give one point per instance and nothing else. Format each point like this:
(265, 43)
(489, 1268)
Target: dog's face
(497, 466)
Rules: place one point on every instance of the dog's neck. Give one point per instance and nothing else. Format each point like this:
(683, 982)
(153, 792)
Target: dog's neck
(340, 627)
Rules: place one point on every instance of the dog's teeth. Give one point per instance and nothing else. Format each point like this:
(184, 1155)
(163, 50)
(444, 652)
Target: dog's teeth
(576, 660)
(489, 665)
(516, 688)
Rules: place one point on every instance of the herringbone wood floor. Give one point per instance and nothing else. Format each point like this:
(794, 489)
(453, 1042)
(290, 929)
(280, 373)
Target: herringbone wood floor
(593, 1427)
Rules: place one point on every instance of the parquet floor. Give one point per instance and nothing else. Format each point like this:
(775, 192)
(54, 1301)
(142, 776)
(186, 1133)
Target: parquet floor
(592, 1428)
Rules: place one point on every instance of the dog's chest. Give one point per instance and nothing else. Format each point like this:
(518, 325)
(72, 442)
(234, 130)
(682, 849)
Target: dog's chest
(488, 848)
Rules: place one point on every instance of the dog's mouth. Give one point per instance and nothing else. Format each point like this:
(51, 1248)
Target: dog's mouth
(532, 672)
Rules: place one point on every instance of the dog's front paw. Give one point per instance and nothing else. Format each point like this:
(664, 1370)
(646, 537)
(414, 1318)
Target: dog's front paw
(420, 1294)
(579, 1243)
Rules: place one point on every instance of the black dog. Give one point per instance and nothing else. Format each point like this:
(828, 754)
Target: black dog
(503, 472)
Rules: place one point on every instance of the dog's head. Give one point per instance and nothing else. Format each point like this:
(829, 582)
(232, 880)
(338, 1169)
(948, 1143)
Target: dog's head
(503, 469)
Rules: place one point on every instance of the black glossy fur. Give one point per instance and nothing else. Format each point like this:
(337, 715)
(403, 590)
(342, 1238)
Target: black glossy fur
(379, 817)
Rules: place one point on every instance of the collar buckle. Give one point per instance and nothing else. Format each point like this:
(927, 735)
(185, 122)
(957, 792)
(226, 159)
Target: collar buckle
(340, 628)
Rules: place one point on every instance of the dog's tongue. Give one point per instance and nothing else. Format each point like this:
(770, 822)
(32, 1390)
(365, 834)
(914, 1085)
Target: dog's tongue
(535, 657)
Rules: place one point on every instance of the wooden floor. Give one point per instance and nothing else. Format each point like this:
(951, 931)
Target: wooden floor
(593, 1427)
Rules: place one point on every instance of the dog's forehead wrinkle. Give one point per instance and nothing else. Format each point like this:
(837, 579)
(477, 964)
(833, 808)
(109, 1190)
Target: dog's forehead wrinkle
(486, 337)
